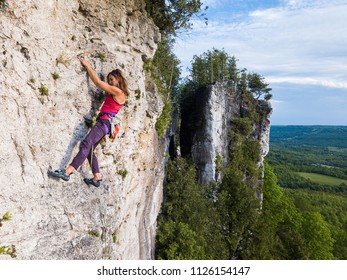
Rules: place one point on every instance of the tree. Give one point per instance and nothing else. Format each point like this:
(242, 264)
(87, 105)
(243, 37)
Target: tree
(172, 16)
(213, 66)
(188, 223)
(257, 85)
(238, 209)
(318, 237)
(233, 73)
(278, 233)
(165, 71)
(177, 241)
(217, 66)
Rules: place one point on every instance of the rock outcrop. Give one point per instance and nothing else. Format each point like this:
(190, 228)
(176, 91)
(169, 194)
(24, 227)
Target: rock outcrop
(45, 100)
(206, 128)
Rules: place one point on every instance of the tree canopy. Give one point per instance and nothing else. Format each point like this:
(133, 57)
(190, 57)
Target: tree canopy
(218, 66)
(172, 16)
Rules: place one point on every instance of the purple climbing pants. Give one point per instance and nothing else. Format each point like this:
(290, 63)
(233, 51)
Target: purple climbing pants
(88, 145)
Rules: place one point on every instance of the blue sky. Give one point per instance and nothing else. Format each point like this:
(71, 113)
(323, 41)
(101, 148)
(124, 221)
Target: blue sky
(299, 46)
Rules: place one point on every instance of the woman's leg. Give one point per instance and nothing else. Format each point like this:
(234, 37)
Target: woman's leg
(93, 162)
(87, 145)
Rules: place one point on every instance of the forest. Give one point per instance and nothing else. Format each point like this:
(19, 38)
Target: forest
(310, 157)
(310, 163)
(305, 222)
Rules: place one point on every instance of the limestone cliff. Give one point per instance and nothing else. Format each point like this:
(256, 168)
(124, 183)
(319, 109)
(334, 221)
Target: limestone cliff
(206, 128)
(45, 100)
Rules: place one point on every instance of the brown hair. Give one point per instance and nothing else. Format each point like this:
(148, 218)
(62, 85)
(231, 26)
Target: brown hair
(123, 84)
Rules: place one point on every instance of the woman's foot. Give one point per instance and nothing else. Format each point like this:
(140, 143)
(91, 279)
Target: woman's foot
(90, 181)
(59, 173)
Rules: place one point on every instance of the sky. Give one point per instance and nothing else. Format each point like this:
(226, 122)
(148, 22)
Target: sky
(298, 46)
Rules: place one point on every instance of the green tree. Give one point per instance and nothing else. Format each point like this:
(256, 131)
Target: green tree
(172, 16)
(278, 234)
(188, 223)
(257, 85)
(213, 66)
(266, 244)
(238, 208)
(164, 70)
(325, 223)
(177, 241)
(318, 237)
(233, 73)
(217, 66)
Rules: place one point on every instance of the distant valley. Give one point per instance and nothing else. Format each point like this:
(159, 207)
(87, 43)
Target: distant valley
(310, 163)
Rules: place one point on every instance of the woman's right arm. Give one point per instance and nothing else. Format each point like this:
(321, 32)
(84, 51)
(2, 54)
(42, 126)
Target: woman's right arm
(93, 76)
(116, 92)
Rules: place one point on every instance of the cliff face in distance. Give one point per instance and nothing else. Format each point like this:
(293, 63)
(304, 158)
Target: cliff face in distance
(45, 99)
(206, 128)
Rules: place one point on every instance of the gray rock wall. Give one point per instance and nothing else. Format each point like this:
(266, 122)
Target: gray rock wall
(211, 140)
(43, 120)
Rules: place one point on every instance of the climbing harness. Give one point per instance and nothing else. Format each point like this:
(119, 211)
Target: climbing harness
(114, 124)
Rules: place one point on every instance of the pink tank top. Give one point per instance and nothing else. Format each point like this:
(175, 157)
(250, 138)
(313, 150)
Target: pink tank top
(109, 106)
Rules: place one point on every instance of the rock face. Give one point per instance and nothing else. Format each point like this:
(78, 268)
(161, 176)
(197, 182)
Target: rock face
(45, 98)
(208, 140)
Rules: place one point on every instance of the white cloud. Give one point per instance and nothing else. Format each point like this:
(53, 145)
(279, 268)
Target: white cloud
(307, 81)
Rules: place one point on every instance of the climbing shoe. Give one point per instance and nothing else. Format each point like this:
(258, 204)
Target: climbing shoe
(59, 173)
(90, 181)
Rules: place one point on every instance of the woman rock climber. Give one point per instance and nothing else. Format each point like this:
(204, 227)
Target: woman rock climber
(117, 90)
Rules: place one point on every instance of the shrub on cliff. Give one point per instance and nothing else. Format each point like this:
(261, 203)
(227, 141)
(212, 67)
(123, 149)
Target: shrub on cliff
(164, 70)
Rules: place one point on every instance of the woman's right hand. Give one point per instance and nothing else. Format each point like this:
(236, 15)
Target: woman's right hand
(84, 62)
